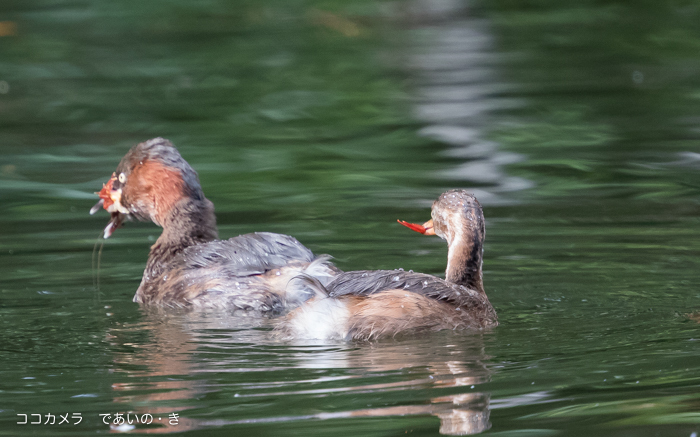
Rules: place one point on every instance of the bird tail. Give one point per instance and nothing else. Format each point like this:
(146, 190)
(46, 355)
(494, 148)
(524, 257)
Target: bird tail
(322, 269)
(306, 287)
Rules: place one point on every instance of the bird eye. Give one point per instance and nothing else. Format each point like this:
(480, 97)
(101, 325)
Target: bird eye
(122, 177)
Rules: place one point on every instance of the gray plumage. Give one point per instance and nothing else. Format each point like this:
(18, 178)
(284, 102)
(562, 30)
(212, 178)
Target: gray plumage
(249, 272)
(249, 254)
(367, 305)
(367, 283)
(187, 266)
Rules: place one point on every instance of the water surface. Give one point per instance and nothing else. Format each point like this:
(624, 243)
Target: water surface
(576, 125)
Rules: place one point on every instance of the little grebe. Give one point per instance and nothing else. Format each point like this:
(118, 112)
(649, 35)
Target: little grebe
(187, 266)
(366, 305)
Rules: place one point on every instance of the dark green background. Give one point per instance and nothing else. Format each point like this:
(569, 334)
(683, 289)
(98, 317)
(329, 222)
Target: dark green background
(577, 123)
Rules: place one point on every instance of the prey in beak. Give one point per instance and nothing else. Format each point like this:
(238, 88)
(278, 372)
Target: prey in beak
(110, 200)
(425, 229)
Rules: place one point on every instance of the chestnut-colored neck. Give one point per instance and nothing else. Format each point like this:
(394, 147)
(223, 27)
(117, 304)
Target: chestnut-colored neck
(187, 223)
(465, 257)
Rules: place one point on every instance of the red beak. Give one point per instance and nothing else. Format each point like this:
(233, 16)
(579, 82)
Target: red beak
(425, 229)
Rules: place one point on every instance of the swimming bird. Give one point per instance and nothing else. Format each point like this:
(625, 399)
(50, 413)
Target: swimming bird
(188, 266)
(371, 304)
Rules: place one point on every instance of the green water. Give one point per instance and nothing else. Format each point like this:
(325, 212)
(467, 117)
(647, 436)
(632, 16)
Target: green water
(577, 124)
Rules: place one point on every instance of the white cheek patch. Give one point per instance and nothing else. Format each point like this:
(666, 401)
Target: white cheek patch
(442, 219)
(453, 246)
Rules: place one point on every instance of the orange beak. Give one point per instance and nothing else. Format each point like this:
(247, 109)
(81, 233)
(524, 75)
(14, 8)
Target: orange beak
(425, 229)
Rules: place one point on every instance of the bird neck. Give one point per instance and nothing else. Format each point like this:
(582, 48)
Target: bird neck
(189, 222)
(464, 259)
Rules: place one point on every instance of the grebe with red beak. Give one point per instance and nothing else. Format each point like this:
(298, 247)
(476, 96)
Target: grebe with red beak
(367, 305)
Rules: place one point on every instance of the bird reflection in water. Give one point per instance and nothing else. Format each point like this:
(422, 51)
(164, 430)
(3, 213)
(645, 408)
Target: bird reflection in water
(447, 367)
(162, 366)
(167, 369)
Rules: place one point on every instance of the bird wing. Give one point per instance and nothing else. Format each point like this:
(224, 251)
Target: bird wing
(364, 283)
(248, 254)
